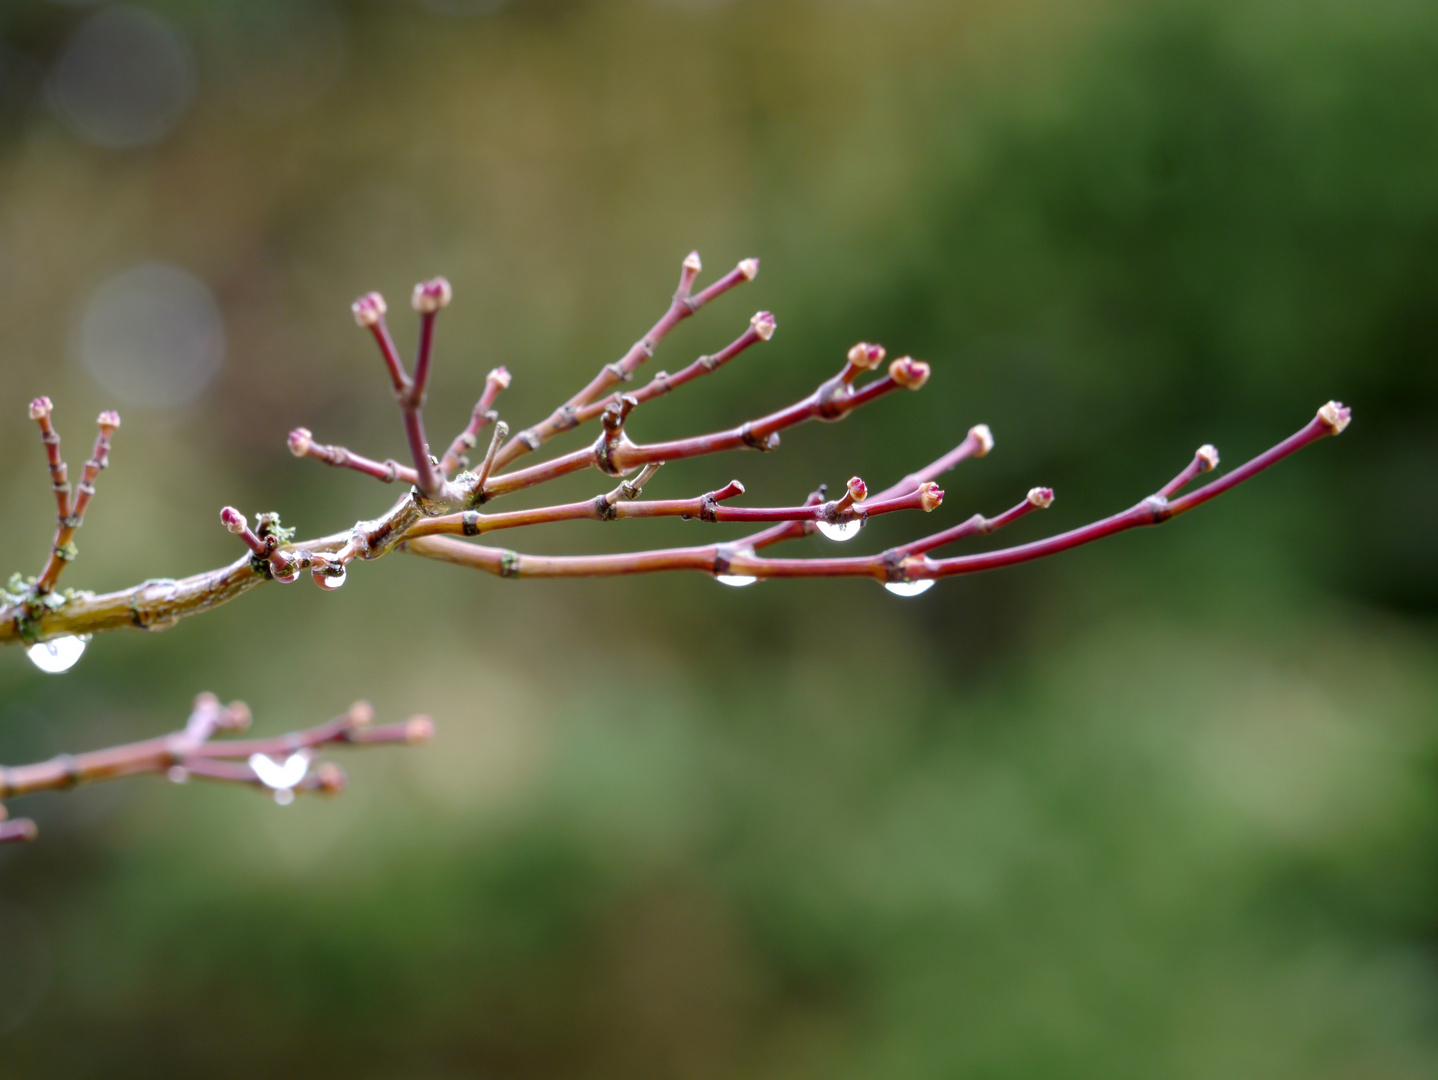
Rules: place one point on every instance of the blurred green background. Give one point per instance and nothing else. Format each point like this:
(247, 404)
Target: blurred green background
(1162, 807)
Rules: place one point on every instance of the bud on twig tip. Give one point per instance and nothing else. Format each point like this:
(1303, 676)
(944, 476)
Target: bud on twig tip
(749, 268)
(233, 520)
(930, 496)
(361, 714)
(369, 309)
(500, 375)
(692, 263)
(1043, 498)
(1207, 457)
(858, 490)
(41, 406)
(908, 372)
(418, 729)
(981, 434)
(300, 441)
(330, 778)
(108, 419)
(430, 296)
(764, 325)
(867, 356)
(1336, 415)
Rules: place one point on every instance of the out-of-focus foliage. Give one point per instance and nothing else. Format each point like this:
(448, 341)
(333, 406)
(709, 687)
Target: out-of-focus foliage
(1163, 807)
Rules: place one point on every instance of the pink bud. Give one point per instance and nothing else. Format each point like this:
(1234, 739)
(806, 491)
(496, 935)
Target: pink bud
(300, 441)
(763, 324)
(692, 263)
(1207, 457)
(430, 296)
(981, 434)
(866, 356)
(330, 778)
(749, 268)
(930, 496)
(499, 375)
(40, 407)
(906, 371)
(1336, 416)
(108, 419)
(1041, 497)
(858, 490)
(369, 309)
(233, 520)
(418, 729)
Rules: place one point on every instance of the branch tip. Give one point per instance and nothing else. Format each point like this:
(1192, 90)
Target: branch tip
(692, 262)
(500, 377)
(300, 441)
(430, 296)
(418, 729)
(866, 356)
(981, 434)
(1207, 457)
(749, 268)
(41, 407)
(908, 372)
(764, 325)
(1041, 497)
(1336, 416)
(931, 496)
(109, 421)
(235, 521)
(369, 309)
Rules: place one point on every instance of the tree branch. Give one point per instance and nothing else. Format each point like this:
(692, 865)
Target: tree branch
(195, 752)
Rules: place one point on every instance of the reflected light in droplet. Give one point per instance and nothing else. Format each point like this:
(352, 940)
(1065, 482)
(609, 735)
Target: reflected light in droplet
(847, 531)
(152, 336)
(909, 588)
(329, 582)
(280, 775)
(58, 655)
(737, 580)
(124, 79)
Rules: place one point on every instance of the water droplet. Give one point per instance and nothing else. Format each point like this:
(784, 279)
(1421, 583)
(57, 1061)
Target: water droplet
(280, 776)
(178, 774)
(327, 581)
(737, 580)
(58, 655)
(909, 588)
(847, 531)
(287, 577)
(284, 796)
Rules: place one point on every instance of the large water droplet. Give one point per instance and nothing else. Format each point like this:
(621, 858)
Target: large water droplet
(280, 775)
(284, 796)
(58, 655)
(847, 531)
(287, 577)
(329, 582)
(909, 588)
(737, 580)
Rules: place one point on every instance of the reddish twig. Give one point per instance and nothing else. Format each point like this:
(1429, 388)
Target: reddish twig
(483, 414)
(70, 510)
(302, 444)
(684, 304)
(195, 751)
(618, 504)
(895, 565)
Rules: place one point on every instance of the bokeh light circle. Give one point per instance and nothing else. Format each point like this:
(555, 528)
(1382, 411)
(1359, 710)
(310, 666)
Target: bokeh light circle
(152, 336)
(124, 78)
